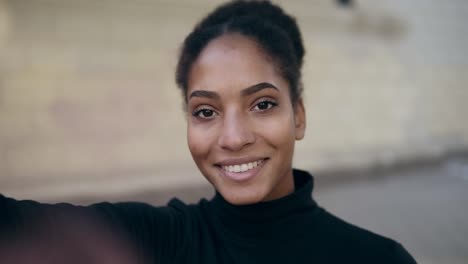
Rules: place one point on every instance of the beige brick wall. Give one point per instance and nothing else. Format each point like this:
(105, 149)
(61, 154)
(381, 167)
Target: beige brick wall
(88, 103)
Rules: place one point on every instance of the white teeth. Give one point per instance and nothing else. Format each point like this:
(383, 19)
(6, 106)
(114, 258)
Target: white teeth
(242, 167)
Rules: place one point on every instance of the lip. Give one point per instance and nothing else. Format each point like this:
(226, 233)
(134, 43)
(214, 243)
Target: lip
(240, 176)
(237, 161)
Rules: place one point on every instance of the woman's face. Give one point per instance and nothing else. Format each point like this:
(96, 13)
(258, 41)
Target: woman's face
(241, 123)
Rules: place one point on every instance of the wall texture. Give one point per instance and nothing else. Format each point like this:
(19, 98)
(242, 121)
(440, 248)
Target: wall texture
(88, 102)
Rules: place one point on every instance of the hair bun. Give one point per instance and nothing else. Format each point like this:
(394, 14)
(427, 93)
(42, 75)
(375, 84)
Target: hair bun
(264, 10)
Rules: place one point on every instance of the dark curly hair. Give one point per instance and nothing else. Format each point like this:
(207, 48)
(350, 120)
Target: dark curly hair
(265, 23)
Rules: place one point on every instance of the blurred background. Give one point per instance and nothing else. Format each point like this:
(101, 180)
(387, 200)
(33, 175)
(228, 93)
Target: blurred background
(89, 110)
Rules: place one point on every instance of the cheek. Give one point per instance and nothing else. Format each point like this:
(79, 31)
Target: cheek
(198, 141)
(279, 131)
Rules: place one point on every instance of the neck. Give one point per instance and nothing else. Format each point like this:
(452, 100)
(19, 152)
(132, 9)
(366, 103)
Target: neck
(259, 219)
(283, 188)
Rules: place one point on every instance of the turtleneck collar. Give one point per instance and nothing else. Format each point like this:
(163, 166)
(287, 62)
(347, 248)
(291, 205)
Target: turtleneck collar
(262, 218)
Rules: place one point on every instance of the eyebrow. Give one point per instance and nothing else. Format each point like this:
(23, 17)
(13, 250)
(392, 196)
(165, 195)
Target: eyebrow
(257, 87)
(245, 92)
(203, 93)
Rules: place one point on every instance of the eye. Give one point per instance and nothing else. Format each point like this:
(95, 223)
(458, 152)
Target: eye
(204, 113)
(264, 105)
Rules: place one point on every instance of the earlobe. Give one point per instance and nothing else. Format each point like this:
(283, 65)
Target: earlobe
(299, 119)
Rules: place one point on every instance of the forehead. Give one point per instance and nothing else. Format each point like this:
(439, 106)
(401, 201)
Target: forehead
(232, 60)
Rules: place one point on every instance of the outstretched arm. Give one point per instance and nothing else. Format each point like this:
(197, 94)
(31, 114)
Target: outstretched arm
(65, 233)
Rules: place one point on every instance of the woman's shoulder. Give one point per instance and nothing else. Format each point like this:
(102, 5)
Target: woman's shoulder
(357, 241)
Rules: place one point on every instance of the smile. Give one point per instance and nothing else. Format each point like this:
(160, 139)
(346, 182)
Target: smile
(241, 170)
(242, 167)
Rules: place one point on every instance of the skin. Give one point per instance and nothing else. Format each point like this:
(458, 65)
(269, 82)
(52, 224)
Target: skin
(239, 111)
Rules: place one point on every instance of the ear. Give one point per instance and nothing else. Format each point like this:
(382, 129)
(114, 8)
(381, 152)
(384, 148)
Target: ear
(300, 119)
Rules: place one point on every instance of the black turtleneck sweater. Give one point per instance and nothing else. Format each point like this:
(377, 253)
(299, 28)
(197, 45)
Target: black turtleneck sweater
(293, 229)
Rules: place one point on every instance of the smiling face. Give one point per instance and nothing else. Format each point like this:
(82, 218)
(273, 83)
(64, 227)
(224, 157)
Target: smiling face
(242, 125)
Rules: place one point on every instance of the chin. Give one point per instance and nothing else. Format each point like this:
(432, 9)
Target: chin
(243, 197)
(242, 200)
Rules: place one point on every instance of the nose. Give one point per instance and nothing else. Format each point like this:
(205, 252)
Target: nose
(236, 132)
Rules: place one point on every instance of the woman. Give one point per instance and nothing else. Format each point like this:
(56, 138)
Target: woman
(240, 74)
